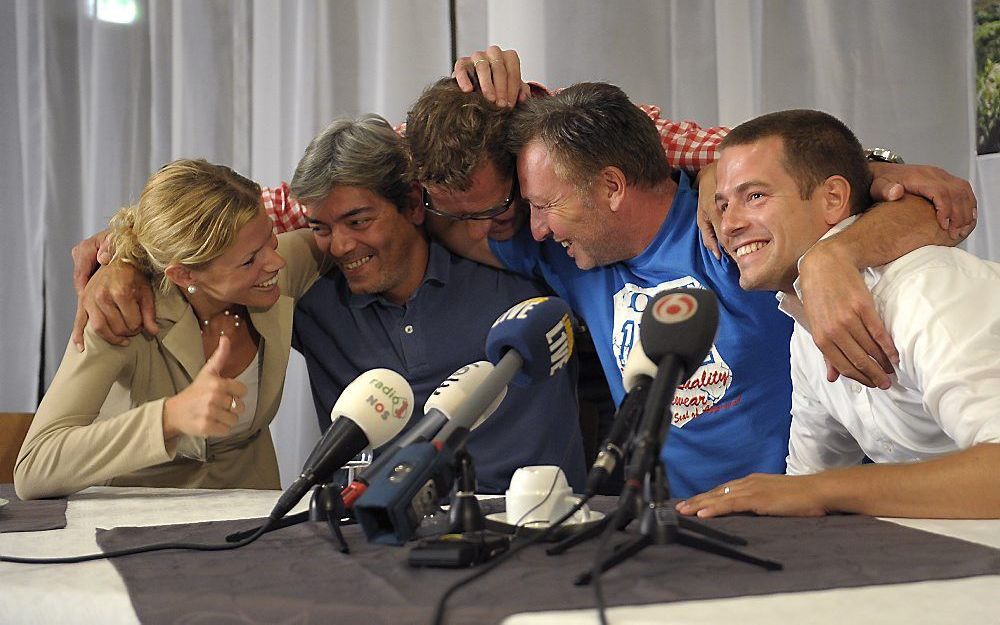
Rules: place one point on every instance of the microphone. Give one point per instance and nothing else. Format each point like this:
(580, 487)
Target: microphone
(455, 391)
(530, 342)
(438, 409)
(638, 367)
(677, 331)
(637, 376)
(370, 411)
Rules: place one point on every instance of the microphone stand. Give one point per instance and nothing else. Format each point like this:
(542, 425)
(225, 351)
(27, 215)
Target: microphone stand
(328, 505)
(325, 504)
(465, 514)
(625, 516)
(659, 524)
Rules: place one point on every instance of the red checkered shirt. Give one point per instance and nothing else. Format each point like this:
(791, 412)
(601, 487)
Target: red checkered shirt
(687, 145)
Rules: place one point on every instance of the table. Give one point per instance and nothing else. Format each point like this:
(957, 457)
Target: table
(93, 592)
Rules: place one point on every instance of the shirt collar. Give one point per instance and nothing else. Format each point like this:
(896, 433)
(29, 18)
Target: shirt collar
(653, 249)
(790, 304)
(438, 271)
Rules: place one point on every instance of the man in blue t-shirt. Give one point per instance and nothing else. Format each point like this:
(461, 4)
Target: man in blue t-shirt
(611, 225)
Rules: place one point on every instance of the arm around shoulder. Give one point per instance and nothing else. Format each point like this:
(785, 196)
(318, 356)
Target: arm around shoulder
(304, 262)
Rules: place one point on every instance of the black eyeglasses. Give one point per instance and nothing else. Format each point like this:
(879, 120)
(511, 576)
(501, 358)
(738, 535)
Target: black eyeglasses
(489, 213)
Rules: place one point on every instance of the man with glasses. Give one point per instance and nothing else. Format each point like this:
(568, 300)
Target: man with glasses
(483, 215)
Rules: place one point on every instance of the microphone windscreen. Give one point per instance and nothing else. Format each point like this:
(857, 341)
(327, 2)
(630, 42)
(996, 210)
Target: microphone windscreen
(451, 394)
(637, 366)
(379, 401)
(540, 330)
(680, 322)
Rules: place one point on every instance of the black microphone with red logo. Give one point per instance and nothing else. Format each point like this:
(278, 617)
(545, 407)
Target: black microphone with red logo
(677, 331)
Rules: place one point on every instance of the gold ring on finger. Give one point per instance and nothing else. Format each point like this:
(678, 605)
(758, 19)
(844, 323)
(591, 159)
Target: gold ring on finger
(477, 62)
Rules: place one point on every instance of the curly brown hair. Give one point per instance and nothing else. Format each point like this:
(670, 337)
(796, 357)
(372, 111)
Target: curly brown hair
(449, 133)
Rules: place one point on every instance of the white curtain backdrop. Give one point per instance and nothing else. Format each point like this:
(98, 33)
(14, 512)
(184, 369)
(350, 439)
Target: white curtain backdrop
(89, 108)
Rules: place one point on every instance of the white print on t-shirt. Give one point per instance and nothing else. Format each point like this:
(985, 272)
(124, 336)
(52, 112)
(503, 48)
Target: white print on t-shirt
(706, 388)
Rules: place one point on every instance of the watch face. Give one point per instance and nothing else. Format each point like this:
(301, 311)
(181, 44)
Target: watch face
(883, 155)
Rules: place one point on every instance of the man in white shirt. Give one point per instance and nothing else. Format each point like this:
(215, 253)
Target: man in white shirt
(786, 180)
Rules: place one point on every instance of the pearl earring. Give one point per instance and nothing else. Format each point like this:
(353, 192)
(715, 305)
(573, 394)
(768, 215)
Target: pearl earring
(192, 289)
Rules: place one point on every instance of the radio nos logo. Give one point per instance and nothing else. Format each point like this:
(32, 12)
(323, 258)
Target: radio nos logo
(387, 402)
(704, 391)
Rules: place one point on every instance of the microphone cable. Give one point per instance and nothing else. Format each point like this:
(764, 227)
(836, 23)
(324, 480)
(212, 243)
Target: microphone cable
(602, 548)
(142, 549)
(440, 606)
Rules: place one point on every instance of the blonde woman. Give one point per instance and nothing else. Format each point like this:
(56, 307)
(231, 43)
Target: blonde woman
(189, 407)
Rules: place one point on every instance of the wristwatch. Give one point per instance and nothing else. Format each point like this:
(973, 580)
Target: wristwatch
(883, 155)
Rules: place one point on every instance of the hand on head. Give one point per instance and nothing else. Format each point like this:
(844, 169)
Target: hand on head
(499, 74)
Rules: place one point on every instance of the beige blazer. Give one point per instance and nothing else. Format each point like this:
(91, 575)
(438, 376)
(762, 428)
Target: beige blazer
(101, 420)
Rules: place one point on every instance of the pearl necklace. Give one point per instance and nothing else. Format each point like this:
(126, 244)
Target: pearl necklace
(234, 316)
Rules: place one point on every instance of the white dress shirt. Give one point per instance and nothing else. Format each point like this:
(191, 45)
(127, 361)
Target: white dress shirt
(942, 308)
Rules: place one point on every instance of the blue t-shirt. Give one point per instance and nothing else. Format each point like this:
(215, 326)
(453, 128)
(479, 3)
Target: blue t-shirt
(733, 416)
(441, 328)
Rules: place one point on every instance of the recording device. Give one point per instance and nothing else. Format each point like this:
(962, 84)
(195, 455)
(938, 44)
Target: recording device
(459, 550)
(370, 411)
(677, 331)
(637, 377)
(438, 409)
(530, 342)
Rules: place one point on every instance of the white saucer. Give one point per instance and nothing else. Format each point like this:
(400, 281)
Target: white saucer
(3, 502)
(576, 519)
(498, 522)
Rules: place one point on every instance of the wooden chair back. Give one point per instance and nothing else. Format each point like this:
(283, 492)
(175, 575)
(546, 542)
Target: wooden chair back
(13, 429)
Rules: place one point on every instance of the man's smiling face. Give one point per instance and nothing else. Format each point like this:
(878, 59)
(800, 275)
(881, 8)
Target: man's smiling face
(582, 224)
(766, 225)
(379, 248)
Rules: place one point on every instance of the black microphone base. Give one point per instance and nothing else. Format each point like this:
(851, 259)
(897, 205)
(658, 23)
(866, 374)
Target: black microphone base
(693, 535)
(465, 515)
(660, 524)
(324, 505)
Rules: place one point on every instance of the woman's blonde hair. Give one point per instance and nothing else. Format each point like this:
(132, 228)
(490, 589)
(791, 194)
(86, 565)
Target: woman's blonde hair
(188, 213)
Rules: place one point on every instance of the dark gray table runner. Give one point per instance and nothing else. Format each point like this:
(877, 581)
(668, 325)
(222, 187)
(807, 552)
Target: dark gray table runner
(30, 516)
(297, 575)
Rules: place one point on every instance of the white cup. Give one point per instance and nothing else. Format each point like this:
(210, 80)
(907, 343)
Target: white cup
(538, 495)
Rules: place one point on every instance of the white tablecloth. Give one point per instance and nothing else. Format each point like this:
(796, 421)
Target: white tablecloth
(94, 593)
